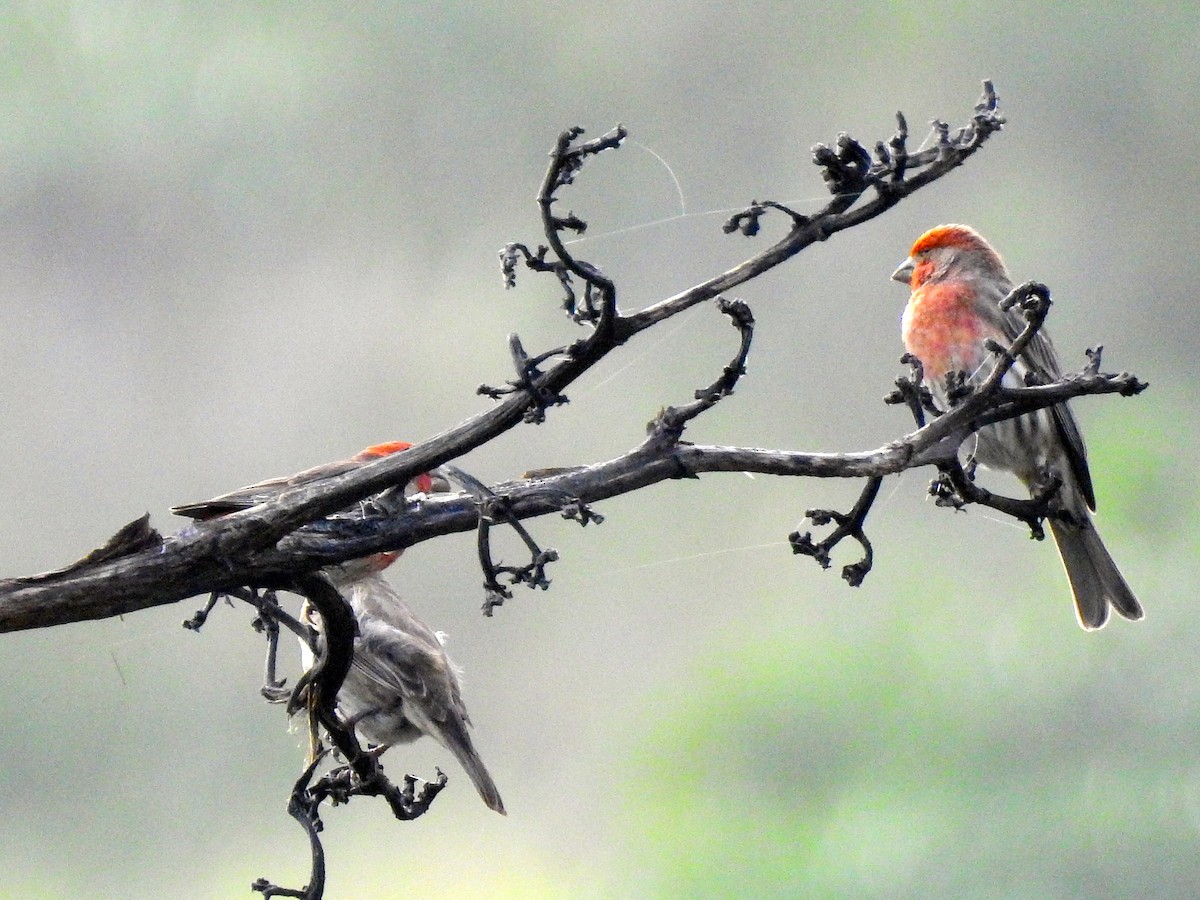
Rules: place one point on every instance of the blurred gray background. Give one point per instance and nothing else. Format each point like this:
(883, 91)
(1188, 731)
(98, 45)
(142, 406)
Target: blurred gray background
(239, 240)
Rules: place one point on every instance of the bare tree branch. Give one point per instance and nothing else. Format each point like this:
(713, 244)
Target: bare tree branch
(283, 542)
(173, 573)
(267, 546)
(849, 525)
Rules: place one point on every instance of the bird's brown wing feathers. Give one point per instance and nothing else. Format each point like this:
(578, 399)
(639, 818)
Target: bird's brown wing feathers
(1040, 359)
(399, 664)
(254, 494)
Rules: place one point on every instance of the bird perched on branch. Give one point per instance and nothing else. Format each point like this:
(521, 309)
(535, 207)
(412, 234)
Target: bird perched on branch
(401, 683)
(957, 283)
(244, 498)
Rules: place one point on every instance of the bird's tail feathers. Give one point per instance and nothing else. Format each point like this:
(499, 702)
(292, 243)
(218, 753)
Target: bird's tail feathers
(1096, 581)
(458, 741)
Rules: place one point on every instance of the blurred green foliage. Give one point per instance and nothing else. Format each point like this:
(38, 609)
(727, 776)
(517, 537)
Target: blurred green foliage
(1005, 759)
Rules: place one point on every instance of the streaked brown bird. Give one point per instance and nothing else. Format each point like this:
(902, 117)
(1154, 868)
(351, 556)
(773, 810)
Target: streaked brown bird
(401, 683)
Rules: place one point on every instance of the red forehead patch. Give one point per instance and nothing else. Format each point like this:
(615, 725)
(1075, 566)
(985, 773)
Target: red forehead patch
(376, 451)
(960, 236)
(423, 481)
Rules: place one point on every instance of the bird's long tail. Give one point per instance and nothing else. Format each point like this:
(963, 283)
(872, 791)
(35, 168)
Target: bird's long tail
(1096, 581)
(458, 741)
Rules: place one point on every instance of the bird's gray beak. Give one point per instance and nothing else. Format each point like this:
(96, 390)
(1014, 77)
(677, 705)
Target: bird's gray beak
(904, 273)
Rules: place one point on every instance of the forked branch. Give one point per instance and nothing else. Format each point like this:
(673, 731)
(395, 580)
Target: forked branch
(282, 543)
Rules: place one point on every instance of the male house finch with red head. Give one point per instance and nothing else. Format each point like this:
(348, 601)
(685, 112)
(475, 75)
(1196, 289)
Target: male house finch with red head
(957, 282)
(401, 683)
(244, 498)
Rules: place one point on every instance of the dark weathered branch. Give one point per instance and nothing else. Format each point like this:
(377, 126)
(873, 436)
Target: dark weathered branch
(528, 374)
(274, 688)
(340, 786)
(848, 180)
(304, 810)
(283, 542)
(197, 620)
(849, 525)
(912, 391)
(668, 426)
(129, 539)
(955, 487)
(268, 545)
(493, 510)
(170, 574)
(270, 615)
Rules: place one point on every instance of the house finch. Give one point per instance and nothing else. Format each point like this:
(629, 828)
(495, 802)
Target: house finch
(244, 498)
(401, 683)
(957, 282)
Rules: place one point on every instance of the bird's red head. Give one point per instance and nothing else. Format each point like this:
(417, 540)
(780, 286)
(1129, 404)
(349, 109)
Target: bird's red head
(961, 237)
(424, 481)
(359, 568)
(949, 250)
(375, 451)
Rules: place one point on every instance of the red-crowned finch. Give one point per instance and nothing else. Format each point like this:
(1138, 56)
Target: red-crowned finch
(401, 683)
(244, 498)
(957, 283)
